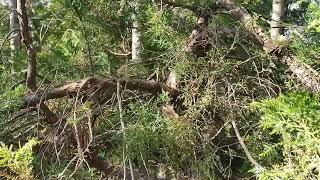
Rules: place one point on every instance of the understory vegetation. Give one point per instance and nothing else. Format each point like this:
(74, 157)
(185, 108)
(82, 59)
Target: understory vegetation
(148, 89)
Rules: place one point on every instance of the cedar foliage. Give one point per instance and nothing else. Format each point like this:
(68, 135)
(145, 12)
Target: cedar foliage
(120, 128)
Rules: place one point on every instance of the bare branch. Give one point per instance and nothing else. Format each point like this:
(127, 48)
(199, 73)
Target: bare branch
(257, 166)
(125, 55)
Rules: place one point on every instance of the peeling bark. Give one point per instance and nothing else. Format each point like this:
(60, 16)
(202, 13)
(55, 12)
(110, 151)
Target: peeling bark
(136, 46)
(306, 74)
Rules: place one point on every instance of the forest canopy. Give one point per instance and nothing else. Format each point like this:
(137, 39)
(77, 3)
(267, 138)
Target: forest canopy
(159, 89)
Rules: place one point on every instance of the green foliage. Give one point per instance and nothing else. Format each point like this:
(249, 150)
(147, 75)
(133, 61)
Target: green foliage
(293, 120)
(11, 100)
(71, 42)
(74, 38)
(150, 138)
(314, 16)
(53, 170)
(17, 164)
(160, 33)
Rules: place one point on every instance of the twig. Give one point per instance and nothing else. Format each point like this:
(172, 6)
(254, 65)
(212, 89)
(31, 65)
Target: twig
(85, 34)
(7, 13)
(7, 37)
(219, 131)
(257, 166)
(125, 147)
(79, 142)
(118, 54)
(144, 164)
(23, 112)
(64, 170)
(17, 84)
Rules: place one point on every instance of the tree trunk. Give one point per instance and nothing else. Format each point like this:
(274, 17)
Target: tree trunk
(276, 22)
(27, 39)
(15, 39)
(136, 46)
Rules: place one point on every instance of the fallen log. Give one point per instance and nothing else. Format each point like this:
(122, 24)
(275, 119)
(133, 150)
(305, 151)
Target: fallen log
(92, 84)
(305, 73)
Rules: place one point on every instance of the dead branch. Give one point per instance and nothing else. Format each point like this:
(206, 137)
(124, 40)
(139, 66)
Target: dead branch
(84, 87)
(257, 166)
(120, 55)
(23, 112)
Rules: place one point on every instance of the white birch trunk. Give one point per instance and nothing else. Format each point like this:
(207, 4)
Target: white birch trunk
(276, 22)
(15, 39)
(136, 46)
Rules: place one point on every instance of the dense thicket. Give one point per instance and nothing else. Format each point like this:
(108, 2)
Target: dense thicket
(156, 89)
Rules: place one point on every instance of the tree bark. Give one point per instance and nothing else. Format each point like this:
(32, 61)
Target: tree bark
(241, 14)
(15, 39)
(27, 40)
(198, 43)
(276, 22)
(136, 46)
(89, 85)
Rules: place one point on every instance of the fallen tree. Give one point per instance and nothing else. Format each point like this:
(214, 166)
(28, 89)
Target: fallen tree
(197, 41)
(95, 85)
(89, 87)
